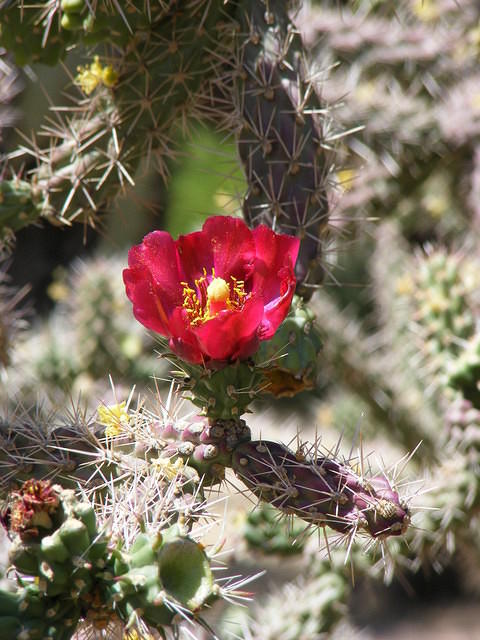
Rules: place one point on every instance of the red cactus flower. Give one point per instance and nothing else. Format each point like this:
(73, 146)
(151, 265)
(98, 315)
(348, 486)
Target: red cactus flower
(214, 293)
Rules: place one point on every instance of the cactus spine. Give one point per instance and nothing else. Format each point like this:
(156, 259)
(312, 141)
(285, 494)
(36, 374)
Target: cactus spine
(82, 572)
(134, 102)
(282, 133)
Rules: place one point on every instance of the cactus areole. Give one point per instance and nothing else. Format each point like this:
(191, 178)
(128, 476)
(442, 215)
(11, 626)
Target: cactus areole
(216, 293)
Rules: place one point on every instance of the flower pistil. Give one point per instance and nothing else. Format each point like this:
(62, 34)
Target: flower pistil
(208, 299)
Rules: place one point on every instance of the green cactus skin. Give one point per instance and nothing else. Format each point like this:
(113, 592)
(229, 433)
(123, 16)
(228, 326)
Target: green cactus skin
(20, 205)
(165, 574)
(220, 394)
(81, 573)
(281, 136)
(160, 76)
(443, 286)
(290, 357)
(42, 32)
(33, 34)
(320, 491)
(266, 532)
(463, 373)
(227, 393)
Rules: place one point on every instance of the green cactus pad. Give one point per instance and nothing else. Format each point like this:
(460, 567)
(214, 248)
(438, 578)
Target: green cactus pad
(185, 573)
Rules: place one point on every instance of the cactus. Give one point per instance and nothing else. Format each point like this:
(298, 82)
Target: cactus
(291, 355)
(221, 394)
(445, 530)
(320, 491)
(397, 338)
(282, 134)
(12, 317)
(392, 400)
(463, 374)
(444, 310)
(264, 531)
(312, 604)
(41, 446)
(82, 572)
(88, 336)
(85, 166)
(389, 54)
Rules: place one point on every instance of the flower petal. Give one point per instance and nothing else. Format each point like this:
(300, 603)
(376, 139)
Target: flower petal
(184, 341)
(276, 311)
(263, 260)
(147, 306)
(274, 252)
(274, 276)
(232, 247)
(231, 334)
(195, 252)
(158, 253)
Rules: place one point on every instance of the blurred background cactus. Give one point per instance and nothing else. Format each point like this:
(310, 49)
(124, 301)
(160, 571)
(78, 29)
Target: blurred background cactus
(352, 125)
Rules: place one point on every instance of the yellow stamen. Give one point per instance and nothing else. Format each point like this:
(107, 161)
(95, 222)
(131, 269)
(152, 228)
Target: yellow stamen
(208, 299)
(218, 294)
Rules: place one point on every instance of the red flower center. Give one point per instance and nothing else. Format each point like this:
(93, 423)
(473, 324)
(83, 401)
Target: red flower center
(210, 296)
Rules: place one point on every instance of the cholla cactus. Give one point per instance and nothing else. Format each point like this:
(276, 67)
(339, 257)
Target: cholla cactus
(409, 75)
(265, 531)
(83, 571)
(130, 101)
(107, 526)
(283, 135)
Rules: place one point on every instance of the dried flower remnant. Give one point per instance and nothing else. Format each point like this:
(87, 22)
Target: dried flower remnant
(31, 508)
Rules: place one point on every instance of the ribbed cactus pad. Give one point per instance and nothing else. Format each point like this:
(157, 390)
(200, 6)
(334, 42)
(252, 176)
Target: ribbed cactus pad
(223, 393)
